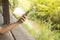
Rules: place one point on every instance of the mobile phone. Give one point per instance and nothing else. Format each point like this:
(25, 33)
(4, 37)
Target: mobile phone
(27, 12)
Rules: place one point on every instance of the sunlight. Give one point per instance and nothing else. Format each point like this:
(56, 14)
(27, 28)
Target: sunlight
(42, 14)
(25, 4)
(18, 11)
(58, 7)
(29, 24)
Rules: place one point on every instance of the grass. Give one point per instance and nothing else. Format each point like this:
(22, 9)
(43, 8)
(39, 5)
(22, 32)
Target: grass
(25, 26)
(43, 31)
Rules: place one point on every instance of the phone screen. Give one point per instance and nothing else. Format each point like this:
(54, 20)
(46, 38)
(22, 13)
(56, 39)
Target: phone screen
(18, 12)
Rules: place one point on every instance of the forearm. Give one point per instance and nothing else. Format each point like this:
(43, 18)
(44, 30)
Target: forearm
(8, 27)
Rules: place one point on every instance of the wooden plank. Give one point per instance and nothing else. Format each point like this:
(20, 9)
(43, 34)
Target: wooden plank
(19, 32)
(5, 5)
(1, 19)
(6, 36)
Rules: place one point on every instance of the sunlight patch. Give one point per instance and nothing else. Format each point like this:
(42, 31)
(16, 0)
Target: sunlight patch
(18, 11)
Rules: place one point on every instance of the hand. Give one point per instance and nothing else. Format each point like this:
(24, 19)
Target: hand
(22, 19)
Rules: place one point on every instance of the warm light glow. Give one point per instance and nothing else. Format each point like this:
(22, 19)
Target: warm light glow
(25, 4)
(18, 11)
(58, 7)
(29, 24)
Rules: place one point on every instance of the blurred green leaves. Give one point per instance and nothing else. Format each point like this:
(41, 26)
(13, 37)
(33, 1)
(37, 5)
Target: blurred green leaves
(46, 15)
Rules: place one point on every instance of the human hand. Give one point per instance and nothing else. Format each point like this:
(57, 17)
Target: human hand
(22, 19)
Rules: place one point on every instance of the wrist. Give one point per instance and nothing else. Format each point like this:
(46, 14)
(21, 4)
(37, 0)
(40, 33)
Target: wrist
(17, 22)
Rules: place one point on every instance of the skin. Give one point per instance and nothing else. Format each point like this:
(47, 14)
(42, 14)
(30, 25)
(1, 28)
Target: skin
(10, 26)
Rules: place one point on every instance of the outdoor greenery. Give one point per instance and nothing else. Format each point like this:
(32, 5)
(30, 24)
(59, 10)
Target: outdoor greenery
(45, 14)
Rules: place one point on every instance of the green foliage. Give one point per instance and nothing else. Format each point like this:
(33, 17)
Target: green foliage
(12, 5)
(24, 4)
(46, 8)
(43, 32)
(47, 15)
(46, 11)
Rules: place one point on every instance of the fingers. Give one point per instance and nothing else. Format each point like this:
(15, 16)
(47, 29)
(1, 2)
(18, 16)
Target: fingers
(22, 19)
(24, 15)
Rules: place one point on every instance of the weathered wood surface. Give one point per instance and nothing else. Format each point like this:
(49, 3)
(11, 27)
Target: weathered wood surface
(19, 32)
(6, 36)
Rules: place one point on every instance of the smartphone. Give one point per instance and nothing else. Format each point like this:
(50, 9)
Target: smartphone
(27, 12)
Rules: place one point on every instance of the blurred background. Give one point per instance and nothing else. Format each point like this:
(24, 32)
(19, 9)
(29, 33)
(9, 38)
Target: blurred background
(42, 21)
